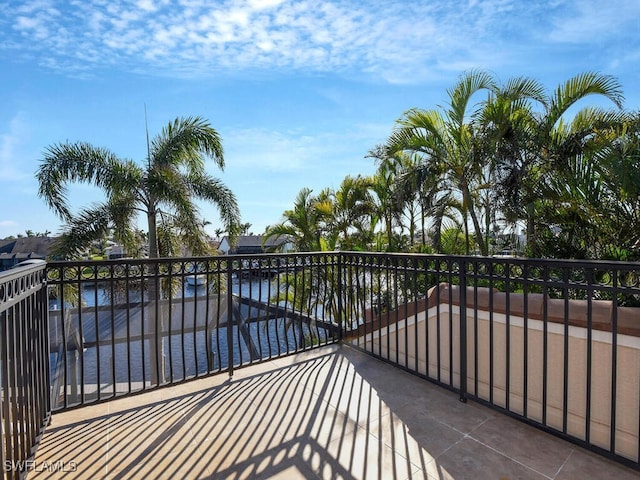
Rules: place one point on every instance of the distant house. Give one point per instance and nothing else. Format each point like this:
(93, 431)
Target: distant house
(16, 250)
(115, 251)
(251, 244)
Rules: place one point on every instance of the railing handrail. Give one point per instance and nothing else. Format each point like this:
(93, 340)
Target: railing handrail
(20, 270)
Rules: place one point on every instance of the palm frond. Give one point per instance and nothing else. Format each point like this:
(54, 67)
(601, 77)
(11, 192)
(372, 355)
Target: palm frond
(185, 142)
(460, 95)
(579, 87)
(214, 190)
(76, 163)
(88, 225)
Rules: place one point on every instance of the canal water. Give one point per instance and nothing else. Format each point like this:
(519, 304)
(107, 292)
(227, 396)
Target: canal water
(116, 367)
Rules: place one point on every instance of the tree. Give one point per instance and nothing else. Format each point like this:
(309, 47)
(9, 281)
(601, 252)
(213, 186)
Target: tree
(352, 207)
(31, 233)
(306, 223)
(163, 188)
(591, 204)
(448, 141)
(534, 153)
(383, 184)
(619, 165)
(245, 229)
(509, 130)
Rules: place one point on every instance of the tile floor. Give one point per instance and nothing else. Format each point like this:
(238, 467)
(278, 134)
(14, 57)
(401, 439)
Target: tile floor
(329, 413)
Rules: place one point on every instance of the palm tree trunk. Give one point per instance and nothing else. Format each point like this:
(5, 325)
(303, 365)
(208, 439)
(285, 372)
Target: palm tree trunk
(476, 224)
(437, 230)
(156, 316)
(422, 223)
(531, 230)
(153, 234)
(466, 234)
(389, 234)
(487, 220)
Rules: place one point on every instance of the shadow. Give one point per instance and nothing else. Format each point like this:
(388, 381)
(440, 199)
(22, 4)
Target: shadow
(330, 413)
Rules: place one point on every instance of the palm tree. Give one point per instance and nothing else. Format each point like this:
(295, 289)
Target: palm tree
(530, 148)
(306, 223)
(447, 142)
(619, 165)
(509, 128)
(592, 202)
(351, 212)
(383, 185)
(163, 188)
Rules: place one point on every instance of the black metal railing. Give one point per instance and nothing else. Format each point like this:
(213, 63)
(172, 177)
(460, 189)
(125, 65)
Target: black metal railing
(553, 343)
(24, 361)
(131, 325)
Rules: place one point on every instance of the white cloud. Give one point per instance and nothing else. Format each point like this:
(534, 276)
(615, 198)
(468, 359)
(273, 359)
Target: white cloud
(593, 20)
(264, 4)
(147, 5)
(201, 35)
(397, 41)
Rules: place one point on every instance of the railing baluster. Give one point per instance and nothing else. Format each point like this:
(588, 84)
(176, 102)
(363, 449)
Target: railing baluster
(112, 336)
(463, 331)
(230, 316)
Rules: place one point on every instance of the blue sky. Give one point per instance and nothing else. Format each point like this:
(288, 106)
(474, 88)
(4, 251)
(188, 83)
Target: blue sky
(299, 90)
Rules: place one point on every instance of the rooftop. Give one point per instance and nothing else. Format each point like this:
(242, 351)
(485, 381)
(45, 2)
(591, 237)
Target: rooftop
(332, 412)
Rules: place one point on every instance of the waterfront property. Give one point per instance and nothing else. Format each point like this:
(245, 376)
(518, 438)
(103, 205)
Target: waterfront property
(13, 251)
(349, 365)
(254, 244)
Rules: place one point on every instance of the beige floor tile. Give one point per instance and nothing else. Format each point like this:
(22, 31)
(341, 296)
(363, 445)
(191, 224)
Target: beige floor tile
(329, 413)
(162, 460)
(360, 455)
(88, 412)
(525, 444)
(134, 401)
(285, 462)
(583, 464)
(230, 439)
(352, 394)
(445, 407)
(193, 386)
(470, 460)
(81, 446)
(420, 439)
(327, 351)
(323, 424)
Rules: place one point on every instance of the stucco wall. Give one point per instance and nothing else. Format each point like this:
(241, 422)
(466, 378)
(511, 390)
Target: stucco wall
(412, 341)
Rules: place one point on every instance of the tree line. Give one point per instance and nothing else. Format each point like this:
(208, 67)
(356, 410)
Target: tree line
(502, 166)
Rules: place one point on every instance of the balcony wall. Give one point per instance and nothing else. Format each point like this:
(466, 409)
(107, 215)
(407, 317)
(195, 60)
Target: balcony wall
(516, 358)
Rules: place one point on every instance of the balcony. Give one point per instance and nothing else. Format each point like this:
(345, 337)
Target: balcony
(337, 365)
(332, 412)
